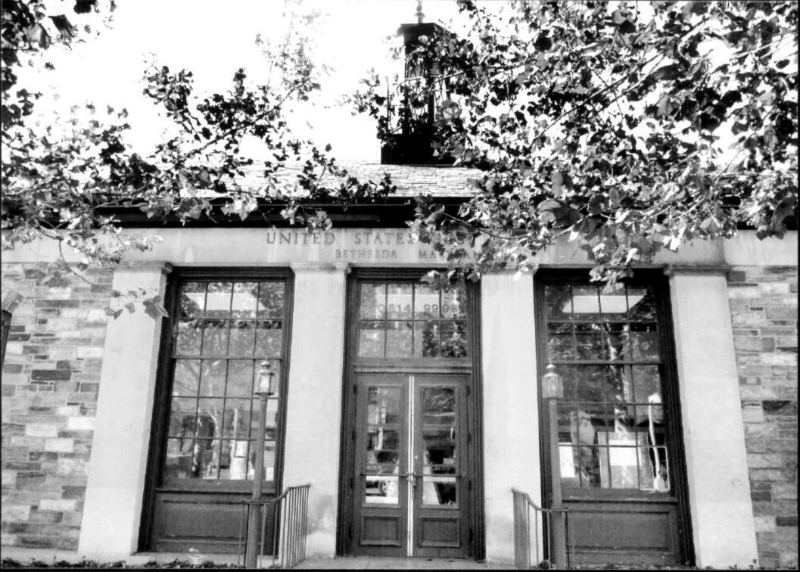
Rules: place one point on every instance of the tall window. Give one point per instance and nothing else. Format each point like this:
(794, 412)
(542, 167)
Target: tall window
(612, 424)
(223, 331)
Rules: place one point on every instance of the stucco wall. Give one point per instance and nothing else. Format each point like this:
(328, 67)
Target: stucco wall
(51, 378)
(763, 303)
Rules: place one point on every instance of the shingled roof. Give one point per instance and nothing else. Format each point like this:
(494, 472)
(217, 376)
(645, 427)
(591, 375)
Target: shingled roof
(411, 180)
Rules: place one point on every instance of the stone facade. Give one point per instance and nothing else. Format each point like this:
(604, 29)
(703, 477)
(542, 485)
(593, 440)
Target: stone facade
(763, 301)
(51, 378)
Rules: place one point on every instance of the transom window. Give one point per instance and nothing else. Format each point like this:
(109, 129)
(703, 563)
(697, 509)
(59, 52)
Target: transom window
(223, 332)
(411, 320)
(611, 419)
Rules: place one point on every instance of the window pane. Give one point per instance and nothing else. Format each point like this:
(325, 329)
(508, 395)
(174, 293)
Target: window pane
(371, 339)
(618, 342)
(187, 377)
(209, 418)
(236, 422)
(399, 302)
(589, 383)
(212, 378)
(271, 299)
(641, 304)
(215, 338)
(589, 342)
(586, 303)
(454, 302)
(644, 342)
(182, 418)
(426, 302)
(372, 300)
(242, 338)
(218, 299)
(190, 336)
(558, 300)
(613, 305)
(245, 300)
(647, 383)
(559, 342)
(269, 339)
(240, 378)
(453, 339)
(426, 339)
(398, 339)
(193, 300)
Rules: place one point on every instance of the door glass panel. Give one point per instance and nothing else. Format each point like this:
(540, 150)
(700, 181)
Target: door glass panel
(439, 439)
(612, 432)
(383, 444)
(439, 491)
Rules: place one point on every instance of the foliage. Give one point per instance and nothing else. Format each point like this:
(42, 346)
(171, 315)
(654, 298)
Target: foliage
(66, 180)
(631, 127)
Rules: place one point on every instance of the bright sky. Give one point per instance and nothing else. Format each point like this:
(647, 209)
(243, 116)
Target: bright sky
(213, 39)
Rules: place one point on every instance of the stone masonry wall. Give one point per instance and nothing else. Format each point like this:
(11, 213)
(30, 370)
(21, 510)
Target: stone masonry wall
(763, 301)
(51, 377)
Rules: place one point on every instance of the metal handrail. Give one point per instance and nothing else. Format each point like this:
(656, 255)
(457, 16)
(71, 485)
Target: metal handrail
(289, 525)
(522, 530)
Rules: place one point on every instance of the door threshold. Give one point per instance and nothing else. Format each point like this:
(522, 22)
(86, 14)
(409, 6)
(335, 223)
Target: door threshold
(397, 563)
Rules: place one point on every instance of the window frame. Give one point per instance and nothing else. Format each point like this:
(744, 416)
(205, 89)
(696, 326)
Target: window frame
(406, 276)
(165, 379)
(655, 279)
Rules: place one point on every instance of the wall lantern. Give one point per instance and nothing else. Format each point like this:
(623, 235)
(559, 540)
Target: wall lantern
(552, 390)
(266, 388)
(552, 384)
(266, 380)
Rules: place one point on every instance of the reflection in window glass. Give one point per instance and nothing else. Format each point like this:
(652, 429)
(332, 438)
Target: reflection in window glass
(611, 421)
(226, 329)
(410, 320)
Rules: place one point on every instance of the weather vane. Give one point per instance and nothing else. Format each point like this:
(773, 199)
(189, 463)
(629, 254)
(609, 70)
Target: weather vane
(420, 15)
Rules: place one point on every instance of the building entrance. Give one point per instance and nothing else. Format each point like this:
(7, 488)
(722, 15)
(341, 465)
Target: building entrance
(411, 461)
(410, 439)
